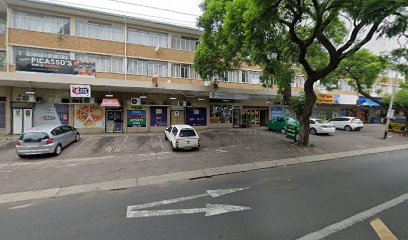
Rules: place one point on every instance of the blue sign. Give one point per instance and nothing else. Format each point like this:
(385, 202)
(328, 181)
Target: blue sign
(158, 116)
(276, 112)
(363, 101)
(196, 116)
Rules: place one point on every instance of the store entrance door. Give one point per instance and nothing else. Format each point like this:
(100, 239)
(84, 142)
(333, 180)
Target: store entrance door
(22, 120)
(236, 117)
(263, 117)
(177, 117)
(254, 114)
(114, 121)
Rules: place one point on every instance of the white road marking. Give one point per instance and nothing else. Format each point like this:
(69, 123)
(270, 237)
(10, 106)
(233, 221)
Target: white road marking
(161, 142)
(210, 210)
(221, 151)
(320, 234)
(212, 193)
(124, 141)
(21, 206)
(80, 145)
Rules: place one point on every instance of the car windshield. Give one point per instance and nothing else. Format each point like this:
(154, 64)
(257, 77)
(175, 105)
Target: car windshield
(321, 121)
(187, 133)
(33, 136)
(291, 120)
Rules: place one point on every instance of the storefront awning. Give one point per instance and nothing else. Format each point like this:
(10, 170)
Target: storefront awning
(110, 102)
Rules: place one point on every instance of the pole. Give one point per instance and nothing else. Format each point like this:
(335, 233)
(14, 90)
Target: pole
(394, 83)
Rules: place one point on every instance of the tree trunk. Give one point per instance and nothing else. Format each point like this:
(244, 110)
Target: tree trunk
(310, 100)
(287, 94)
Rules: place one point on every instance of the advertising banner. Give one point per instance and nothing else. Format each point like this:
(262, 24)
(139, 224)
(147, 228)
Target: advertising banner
(363, 101)
(276, 112)
(80, 90)
(54, 65)
(158, 116)
(136, 116)
(347, 99)
(45, 113)
(89, 116)
(325, 98)
(196, 116)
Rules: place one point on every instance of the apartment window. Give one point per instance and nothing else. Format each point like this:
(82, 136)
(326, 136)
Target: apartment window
(103, 63)
(344, 86)
(38, 52)
(184, 71)
(184, 43)
(97, 30)
(251, 77)
(137, 36)
(244, 76)
(146, 67)
(232, 76)
(3, 57)
(41, 23)
(2, 113)
(2, 26)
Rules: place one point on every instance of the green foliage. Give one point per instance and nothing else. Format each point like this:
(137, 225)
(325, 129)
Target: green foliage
(297, 104)
(401, 98)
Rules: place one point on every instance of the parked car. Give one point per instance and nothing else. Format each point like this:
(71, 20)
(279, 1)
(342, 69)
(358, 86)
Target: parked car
(182, 137)
(347, 123)
(46, 139)
(281, 124)
(321, 126)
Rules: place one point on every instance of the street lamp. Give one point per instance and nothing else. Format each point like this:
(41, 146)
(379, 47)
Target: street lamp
(390, 112)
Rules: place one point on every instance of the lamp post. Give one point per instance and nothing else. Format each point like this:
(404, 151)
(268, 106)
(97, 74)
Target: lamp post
(389, 112)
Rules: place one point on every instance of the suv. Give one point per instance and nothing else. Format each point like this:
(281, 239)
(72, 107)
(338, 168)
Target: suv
(182, 137)
(347, 123)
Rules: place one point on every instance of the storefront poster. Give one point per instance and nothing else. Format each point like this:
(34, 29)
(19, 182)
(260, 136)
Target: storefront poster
(158, 116)
(276, 112)
(89, 116)
(326, 98)
(136, 116)
(363, 101)
(45, 113)
(289, 112)
(196, 116)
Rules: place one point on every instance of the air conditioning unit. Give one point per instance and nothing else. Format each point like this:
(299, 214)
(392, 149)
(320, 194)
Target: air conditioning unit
(135, 101)
(89, 100)
(28, 98)
(182, 103)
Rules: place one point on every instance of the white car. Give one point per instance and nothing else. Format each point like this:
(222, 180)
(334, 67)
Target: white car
(182, 137)
(347, 123)
(321, 126)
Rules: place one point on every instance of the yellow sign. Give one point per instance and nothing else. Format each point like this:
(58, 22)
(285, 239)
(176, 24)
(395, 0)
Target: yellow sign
(325, 98)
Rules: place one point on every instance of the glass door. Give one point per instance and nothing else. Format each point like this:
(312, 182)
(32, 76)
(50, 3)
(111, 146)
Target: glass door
(236, 117)
(118, 119)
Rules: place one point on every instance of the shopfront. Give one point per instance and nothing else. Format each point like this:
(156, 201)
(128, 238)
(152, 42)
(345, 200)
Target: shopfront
(113, 115)
(255, 116)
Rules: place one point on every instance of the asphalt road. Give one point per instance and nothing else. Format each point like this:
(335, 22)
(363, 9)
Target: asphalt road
(286, 203)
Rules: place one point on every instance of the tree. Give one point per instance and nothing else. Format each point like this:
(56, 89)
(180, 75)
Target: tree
(313, 33)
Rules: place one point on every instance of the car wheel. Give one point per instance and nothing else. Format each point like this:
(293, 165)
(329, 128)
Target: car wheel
(348, 128)
(58, 150)
(77, 137)
(358, 129)
(21, 156)
(313, 131)
(196, 148)
(165, 137)
(283, 131)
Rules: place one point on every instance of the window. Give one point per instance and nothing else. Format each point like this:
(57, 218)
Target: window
(251, 77)
(154, 39)
(38, 52)
(220, 114)
(146, 67)
(2, 114)
(34, 136)
(244, 76)
(187, 133)
(184, 71)
(97, 30)
(344, 86)
(103, 63)
(2, 26)
(3, 57)
(41, 23)
(232, 76)
(174, 132)
(184, 43)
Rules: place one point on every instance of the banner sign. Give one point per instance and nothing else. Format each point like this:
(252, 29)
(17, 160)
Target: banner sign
(363, 101)
(196, 116)
(54, 65)
(45, 113)
(325, 98)
(89, 116)
(276, 112)
(136, 116)
(158, 116)
(80, 90)
(235, 96)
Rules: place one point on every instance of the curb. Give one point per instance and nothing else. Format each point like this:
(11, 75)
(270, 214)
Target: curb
(188, 175)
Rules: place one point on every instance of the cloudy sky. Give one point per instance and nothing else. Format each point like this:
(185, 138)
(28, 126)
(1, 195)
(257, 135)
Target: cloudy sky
(180, 12)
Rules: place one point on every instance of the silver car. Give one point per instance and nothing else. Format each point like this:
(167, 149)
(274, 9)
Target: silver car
(46, 139)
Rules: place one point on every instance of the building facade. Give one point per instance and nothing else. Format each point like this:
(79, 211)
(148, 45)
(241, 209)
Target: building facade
(102, 72)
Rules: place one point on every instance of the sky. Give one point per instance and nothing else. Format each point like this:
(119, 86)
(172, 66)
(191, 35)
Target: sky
(179, 12)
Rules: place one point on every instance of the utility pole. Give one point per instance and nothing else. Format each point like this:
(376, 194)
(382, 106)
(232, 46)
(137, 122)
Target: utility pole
(394, 83)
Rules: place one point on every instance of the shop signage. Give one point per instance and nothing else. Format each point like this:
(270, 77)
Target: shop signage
(110, 102)
(158, 116)
(45, 113)
(89, 116)
(80, 90)
(136, 116)
(196, 116)
(363, 101)
(235, 96)
(347, 99)
(54, 65)
(276, 112)
(325, 98)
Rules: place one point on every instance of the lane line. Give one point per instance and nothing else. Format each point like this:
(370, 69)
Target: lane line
(329, 230)
(22, 206)
(383, 232)
(80, 145)
(124, 141)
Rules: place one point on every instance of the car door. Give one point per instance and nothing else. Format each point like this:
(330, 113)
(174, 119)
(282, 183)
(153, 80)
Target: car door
(276, 124)
(58, 136)
(312, 124)
(335, 122)
(69, 135)
(173, 135)
(167, 132)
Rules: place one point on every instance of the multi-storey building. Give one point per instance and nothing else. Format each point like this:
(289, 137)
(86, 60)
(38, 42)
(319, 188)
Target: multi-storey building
(104, 72)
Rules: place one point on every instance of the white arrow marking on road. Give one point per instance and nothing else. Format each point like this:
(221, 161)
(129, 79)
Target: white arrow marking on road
(210, 210)
(212, 193)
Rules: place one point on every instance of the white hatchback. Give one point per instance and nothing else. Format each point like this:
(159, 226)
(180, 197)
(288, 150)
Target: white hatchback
(347, 123)
(182, 137)
(321, 126)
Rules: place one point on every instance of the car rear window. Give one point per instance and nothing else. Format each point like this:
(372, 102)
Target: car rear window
(187, 133)
(291, 120)
(34, 137)
(321, 121)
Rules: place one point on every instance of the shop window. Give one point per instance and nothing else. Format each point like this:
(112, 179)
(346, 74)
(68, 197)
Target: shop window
(63, 113)
(2, 114)
(41, 23)
(220, 114)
